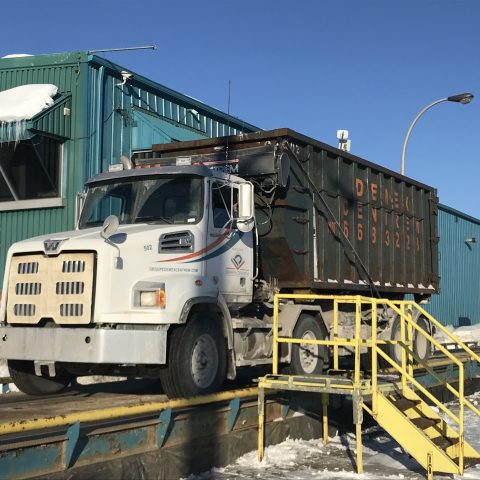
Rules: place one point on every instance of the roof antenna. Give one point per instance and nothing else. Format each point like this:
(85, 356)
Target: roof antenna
(228, 122)
(124, 49)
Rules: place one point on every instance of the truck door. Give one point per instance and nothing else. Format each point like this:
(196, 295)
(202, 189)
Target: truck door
(230, 263)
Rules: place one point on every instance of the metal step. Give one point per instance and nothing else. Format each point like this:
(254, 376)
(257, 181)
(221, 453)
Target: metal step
(443, 442)
(403, 404)
(423, 422)
(468, 461)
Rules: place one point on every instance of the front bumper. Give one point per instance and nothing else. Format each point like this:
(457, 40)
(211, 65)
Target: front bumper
(84, 345)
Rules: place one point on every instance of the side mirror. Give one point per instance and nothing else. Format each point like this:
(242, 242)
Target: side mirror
(110, 226)
(79, 202)
(246, 210)
(245, 201)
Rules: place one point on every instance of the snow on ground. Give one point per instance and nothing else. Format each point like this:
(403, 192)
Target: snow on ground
(383, 458)
(98, 379)
(470, 333)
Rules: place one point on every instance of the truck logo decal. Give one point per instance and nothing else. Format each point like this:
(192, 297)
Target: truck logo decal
(52, 246)
(238, 261)
(207, 251)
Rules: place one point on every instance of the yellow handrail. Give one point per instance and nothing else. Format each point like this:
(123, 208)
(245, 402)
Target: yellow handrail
(419, 386)
(404, 309)
(473, 355)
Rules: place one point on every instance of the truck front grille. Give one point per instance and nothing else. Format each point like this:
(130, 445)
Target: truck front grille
(59, 288)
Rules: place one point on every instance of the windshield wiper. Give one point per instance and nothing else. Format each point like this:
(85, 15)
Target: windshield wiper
(153, 219)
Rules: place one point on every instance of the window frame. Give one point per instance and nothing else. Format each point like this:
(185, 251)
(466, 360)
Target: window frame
(37, 203)
(229, 205)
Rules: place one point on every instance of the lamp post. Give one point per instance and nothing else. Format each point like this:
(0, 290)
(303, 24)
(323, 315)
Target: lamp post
(462, 98)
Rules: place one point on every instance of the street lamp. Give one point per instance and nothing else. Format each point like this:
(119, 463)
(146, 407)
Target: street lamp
(463, 98)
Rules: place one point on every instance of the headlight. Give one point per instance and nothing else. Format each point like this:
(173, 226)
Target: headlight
(151, 296)
(153, 299)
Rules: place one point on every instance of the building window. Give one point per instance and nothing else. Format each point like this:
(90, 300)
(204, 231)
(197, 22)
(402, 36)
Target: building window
(30, 170)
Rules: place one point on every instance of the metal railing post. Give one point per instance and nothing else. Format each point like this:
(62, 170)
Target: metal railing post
(461, 440)
(335, 334)
(374, 358)
(403, 345)
(358, 419)
(410, 339)
(325, 417)
(275, 336)
(358, 315)
(261, 423)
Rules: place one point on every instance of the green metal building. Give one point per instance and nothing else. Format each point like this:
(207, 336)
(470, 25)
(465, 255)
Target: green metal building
(458, 303)
(101, 112)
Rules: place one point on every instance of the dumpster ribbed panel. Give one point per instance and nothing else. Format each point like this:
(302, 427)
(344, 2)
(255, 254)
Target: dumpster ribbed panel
(459, 301)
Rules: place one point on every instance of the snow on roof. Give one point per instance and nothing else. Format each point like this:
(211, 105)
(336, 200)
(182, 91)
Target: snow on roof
(24, 102)
(16, 55)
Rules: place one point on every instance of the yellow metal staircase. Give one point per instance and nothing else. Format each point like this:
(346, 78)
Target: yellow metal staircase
(422, 432)
(400, 406)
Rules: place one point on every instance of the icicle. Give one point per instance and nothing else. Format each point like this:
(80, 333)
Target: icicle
(12, 131)
(20, 128)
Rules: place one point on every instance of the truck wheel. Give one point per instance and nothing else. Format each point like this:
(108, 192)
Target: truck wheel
(421, 346)
(307, 359)
(23, 376)
(395, 351)
(196, 358)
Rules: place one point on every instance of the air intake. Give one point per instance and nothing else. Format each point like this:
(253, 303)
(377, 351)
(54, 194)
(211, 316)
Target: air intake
(176, 242)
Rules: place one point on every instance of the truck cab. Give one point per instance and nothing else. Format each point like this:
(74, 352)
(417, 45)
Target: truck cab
(153, 248)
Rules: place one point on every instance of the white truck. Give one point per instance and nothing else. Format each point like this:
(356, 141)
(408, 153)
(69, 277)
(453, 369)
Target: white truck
(172, 268)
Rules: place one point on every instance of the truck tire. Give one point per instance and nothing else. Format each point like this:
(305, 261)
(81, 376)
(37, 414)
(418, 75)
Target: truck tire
(307, 359)
(23, 376)
(196, 358)
(395, 351)
(421, 346)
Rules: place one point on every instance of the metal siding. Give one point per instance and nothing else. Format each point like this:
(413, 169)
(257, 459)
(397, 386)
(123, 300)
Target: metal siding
(117, 115)
(54, 120)
(459, 270)
(149, 129)
(20, 224)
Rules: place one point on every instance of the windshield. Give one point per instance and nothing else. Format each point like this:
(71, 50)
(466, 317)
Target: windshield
(166, 199)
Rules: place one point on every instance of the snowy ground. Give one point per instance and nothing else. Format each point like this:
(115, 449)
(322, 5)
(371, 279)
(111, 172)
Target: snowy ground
(466, 334)
(310, 459)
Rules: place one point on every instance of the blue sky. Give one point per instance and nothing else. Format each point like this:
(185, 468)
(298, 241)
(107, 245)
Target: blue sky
(314, 66)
